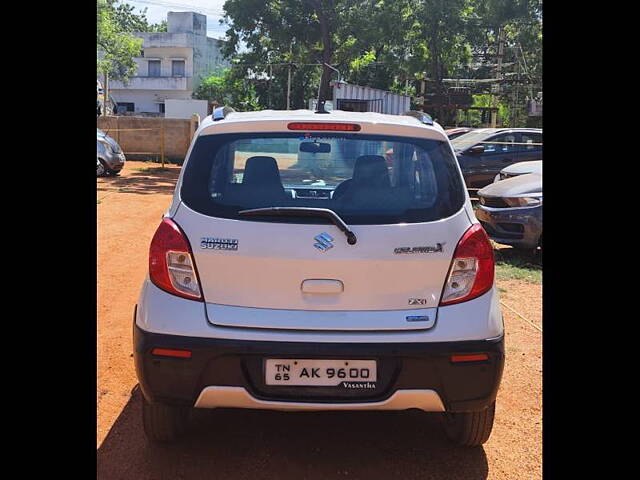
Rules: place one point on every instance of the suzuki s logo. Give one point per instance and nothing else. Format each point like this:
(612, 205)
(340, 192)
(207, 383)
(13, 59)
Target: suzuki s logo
(324, 242)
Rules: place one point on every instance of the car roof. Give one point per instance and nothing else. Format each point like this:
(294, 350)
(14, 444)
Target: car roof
(311, 116)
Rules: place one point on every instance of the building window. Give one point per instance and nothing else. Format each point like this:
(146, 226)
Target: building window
(125, 107)
(154, 68)
(161, 107)
(177, 68)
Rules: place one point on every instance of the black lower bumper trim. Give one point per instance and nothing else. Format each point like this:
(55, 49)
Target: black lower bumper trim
(462, 387)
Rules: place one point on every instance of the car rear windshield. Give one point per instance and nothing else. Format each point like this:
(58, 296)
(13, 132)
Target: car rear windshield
(365, 179)
(469, 139)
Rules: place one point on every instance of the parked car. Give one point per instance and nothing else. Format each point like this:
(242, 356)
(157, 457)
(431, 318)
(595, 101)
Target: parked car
(521, 168)
(511, 211)
(110, 155)
(100, 168)
(482, 153)
(289, 285)
(456, 132)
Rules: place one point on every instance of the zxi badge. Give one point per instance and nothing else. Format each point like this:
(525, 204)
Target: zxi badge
(417, 301)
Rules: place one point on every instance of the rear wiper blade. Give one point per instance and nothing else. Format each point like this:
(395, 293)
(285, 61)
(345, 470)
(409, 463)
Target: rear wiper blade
(306, 212)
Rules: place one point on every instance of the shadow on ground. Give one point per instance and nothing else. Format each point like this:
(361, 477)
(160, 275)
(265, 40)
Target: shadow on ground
(249, 444)
(525, 259)
(150, 180)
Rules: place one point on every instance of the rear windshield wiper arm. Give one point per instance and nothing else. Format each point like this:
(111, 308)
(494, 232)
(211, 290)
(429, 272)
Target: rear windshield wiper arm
(327, 213)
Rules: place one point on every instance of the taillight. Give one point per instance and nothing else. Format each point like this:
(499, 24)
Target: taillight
(171, 265)
(472, 268)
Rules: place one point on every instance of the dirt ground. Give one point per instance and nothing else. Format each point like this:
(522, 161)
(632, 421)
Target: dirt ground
(248, 444)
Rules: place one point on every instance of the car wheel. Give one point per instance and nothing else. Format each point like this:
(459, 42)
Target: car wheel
(163, 423)
(100, 169)
(469, 429)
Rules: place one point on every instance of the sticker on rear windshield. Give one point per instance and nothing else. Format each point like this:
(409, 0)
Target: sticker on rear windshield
(219, 243)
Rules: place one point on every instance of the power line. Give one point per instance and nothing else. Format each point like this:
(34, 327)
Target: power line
(198, 9)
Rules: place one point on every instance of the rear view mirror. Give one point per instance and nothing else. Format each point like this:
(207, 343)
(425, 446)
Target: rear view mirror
(477, 149)
(315, 147)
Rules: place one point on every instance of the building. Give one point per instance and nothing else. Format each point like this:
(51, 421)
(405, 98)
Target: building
(356, 98)
(171, 66)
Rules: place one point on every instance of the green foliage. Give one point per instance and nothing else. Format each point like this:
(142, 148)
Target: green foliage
(514, 264)
(226, 88)
(128, 21)
(385, 44)
(116, 47)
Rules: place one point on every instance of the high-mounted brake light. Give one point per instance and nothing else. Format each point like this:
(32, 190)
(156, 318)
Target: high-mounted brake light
(334, 127)
(472, 268)
(171, 266)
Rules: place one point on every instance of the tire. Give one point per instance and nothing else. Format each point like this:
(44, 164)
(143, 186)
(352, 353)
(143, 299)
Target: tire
(469, 429)
(163, 423)
(101, 170)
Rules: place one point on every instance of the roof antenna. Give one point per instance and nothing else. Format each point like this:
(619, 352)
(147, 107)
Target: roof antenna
(320, 107)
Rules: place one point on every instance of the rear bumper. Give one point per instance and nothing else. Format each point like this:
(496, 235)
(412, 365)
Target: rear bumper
(229, 373)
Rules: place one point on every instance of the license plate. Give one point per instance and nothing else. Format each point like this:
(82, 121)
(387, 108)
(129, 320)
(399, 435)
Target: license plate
(319, 373)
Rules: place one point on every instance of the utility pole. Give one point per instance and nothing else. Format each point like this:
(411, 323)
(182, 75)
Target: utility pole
(105, 93)
(288, 85)
(162, 140)
(496, 96)
(516, 110)
(289, 73)
(269, 89)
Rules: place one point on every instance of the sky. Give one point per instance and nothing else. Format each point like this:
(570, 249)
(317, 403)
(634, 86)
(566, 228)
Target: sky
(157, 11)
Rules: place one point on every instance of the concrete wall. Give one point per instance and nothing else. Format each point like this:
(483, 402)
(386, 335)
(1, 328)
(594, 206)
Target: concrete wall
(186, 22)
(139, 137)
(148, 100)
(185, 108)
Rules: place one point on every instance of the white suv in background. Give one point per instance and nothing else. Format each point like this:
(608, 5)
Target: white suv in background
(320, 261)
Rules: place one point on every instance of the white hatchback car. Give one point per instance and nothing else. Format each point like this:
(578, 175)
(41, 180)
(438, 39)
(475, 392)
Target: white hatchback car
(320, 261)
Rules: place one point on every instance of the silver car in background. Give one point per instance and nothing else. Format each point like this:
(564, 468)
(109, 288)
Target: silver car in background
(520, 168)
(110, 156)
(511, 211)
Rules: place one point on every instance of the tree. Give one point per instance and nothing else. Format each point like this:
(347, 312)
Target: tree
(386, 44)
(283, 31)
(325, 14)
(116, 47)
(223, 88)
(129, 21)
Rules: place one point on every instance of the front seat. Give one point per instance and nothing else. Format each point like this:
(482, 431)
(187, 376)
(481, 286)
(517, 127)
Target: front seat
(261, 185)
(369, 171)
